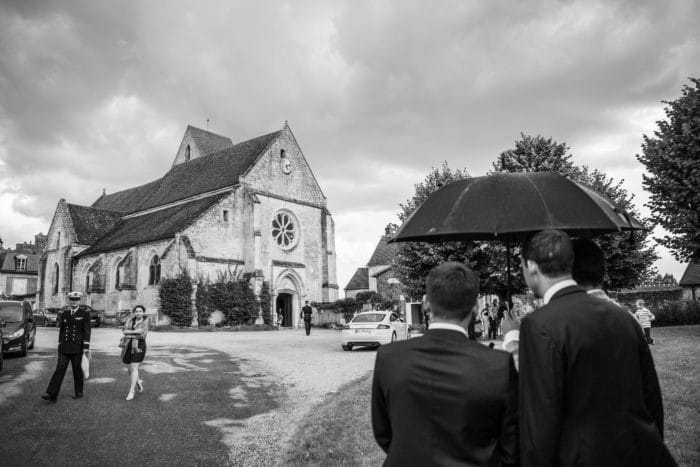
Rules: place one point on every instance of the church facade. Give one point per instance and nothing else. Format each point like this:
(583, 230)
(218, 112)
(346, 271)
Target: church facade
(255, 207)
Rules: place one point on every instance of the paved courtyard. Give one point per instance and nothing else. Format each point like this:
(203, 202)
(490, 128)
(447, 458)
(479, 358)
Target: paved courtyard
(210, 398)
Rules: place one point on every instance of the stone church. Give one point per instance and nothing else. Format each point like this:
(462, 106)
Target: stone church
(255, 207)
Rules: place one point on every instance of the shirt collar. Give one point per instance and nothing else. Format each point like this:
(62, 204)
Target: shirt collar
(556, 288)
(448, 326)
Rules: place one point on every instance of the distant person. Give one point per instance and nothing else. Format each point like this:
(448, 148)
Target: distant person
(645, 317)
(135, 331)
(443, 399)
(73, 341)
(589, 393)
(306, 312)
(511, 328)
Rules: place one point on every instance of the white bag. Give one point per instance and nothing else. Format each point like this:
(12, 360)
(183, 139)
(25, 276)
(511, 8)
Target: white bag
(85, 365)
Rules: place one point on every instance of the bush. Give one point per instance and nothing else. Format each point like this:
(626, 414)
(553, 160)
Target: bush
(675, 313)
(266, 303)
(175, 299)
(233, 296)
(202, 302)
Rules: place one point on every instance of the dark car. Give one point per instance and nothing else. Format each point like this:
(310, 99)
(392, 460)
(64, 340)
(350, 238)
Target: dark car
(18, 332)
(95, 318)
(45, 317)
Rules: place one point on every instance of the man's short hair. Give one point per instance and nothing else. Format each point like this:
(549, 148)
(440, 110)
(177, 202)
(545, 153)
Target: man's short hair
(551, 250)
(589, 262)
(452, 289)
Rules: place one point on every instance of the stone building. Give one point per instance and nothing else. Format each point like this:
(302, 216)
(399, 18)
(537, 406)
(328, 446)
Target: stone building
(19, 269)
(690, 282)
(379, 275)
(255, 207)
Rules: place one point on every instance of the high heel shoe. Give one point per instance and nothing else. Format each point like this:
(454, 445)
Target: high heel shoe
(130, 395)
(139, 383)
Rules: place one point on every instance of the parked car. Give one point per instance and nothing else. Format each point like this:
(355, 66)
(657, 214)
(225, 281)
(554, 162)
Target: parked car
(374, 328)
(45, 316)
(95, 318)
(19, 331)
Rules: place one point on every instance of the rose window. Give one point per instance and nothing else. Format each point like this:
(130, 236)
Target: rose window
(285, 230)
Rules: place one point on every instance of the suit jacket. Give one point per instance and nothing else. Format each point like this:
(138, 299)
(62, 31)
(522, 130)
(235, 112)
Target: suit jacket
(74, 331)
(442, 399)
(589, 394)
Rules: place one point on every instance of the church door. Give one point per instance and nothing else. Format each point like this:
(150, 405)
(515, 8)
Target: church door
(284, 308)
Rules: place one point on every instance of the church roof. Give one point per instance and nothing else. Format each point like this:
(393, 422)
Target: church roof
(691, 276)
(208, 142)
(153, 226)
(90, 223)
(200, 175)
(359, 280)
(384, 253)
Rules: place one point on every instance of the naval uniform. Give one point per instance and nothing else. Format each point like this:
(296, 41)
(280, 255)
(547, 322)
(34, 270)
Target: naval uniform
(73, 339)
(306, 314)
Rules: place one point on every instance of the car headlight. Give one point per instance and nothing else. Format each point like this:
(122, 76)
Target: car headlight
(17, 333)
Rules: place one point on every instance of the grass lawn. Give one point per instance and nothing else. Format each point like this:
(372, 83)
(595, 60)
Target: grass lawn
(165, 425)
(338, 431)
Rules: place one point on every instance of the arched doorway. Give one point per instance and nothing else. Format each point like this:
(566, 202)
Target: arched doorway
(284, 308)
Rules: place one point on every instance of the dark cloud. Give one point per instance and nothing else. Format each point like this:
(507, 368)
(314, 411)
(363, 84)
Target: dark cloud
(97, 95)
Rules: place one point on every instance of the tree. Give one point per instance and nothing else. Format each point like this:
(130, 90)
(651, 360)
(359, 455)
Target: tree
(414, 260)
(672, 158)
(629, 259)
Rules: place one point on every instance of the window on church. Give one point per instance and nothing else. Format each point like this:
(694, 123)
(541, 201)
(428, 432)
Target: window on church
(58, 240)
(225, 215)
(117, 278)
(188, 152)
(87, 283)
(285, 230)
(154, 271)
(55, 278)
(20, 263)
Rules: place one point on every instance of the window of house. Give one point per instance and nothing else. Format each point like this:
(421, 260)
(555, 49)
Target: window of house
(225, 215)
(154, 271)
(285, 229)
(55, 278)
(21, 263)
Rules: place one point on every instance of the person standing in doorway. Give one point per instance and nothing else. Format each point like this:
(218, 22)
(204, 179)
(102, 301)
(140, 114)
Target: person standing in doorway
(73, 341)
(306, 312)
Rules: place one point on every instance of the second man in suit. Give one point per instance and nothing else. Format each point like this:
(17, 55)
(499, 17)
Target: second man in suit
(442, 399)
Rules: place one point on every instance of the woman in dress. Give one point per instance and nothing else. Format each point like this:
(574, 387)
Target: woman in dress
(511, 327)
(135, 330)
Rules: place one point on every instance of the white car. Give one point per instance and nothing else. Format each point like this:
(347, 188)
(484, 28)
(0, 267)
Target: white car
(374, 328)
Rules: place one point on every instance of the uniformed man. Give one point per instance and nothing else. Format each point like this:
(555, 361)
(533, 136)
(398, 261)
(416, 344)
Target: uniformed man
(73, 341)
(306, 312)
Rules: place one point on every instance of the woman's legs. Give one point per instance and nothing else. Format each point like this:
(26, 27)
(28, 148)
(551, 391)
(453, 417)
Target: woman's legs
(134, 372)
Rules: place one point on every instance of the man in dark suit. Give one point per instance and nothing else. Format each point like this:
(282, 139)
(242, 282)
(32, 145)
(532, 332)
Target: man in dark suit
(589, 394)
(73, 341)
(306, 312)
(442, 399)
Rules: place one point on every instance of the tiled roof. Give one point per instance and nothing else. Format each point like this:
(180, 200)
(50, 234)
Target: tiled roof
(208, 142)
(7, 261)
(90, 223)
(154, 226)
(359, 281)
(384, 253)
(126, 200)
(208, 173)
(197, 176)
(691, 276)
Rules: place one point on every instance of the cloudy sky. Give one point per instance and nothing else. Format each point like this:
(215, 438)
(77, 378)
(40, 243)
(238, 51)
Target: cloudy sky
(98, 95)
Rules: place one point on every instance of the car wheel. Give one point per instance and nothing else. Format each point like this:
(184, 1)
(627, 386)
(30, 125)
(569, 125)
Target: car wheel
(347, 347)
(31, 345)
(393, 337)
(23, 352)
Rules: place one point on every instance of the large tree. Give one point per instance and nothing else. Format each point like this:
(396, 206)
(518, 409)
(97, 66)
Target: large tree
(672, 158)
(629, 259)
(414, 260)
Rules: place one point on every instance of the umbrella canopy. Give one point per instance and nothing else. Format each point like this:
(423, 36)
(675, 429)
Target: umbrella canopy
(513, 205)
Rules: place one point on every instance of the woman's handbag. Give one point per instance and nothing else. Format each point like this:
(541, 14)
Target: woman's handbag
(123, 342)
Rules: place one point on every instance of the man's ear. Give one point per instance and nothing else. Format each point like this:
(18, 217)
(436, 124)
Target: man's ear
(530, 266)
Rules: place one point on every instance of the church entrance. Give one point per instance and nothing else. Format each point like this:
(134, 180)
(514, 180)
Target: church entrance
(284, 309)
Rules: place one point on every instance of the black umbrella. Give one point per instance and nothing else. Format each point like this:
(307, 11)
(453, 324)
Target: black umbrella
(509, 206)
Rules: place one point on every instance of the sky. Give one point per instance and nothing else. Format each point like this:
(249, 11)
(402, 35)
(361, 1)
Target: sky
(97, 95)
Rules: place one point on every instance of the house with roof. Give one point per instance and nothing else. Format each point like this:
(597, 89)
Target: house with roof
(19, 269)
(690, 282)
(379, 275)
(255, 207)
